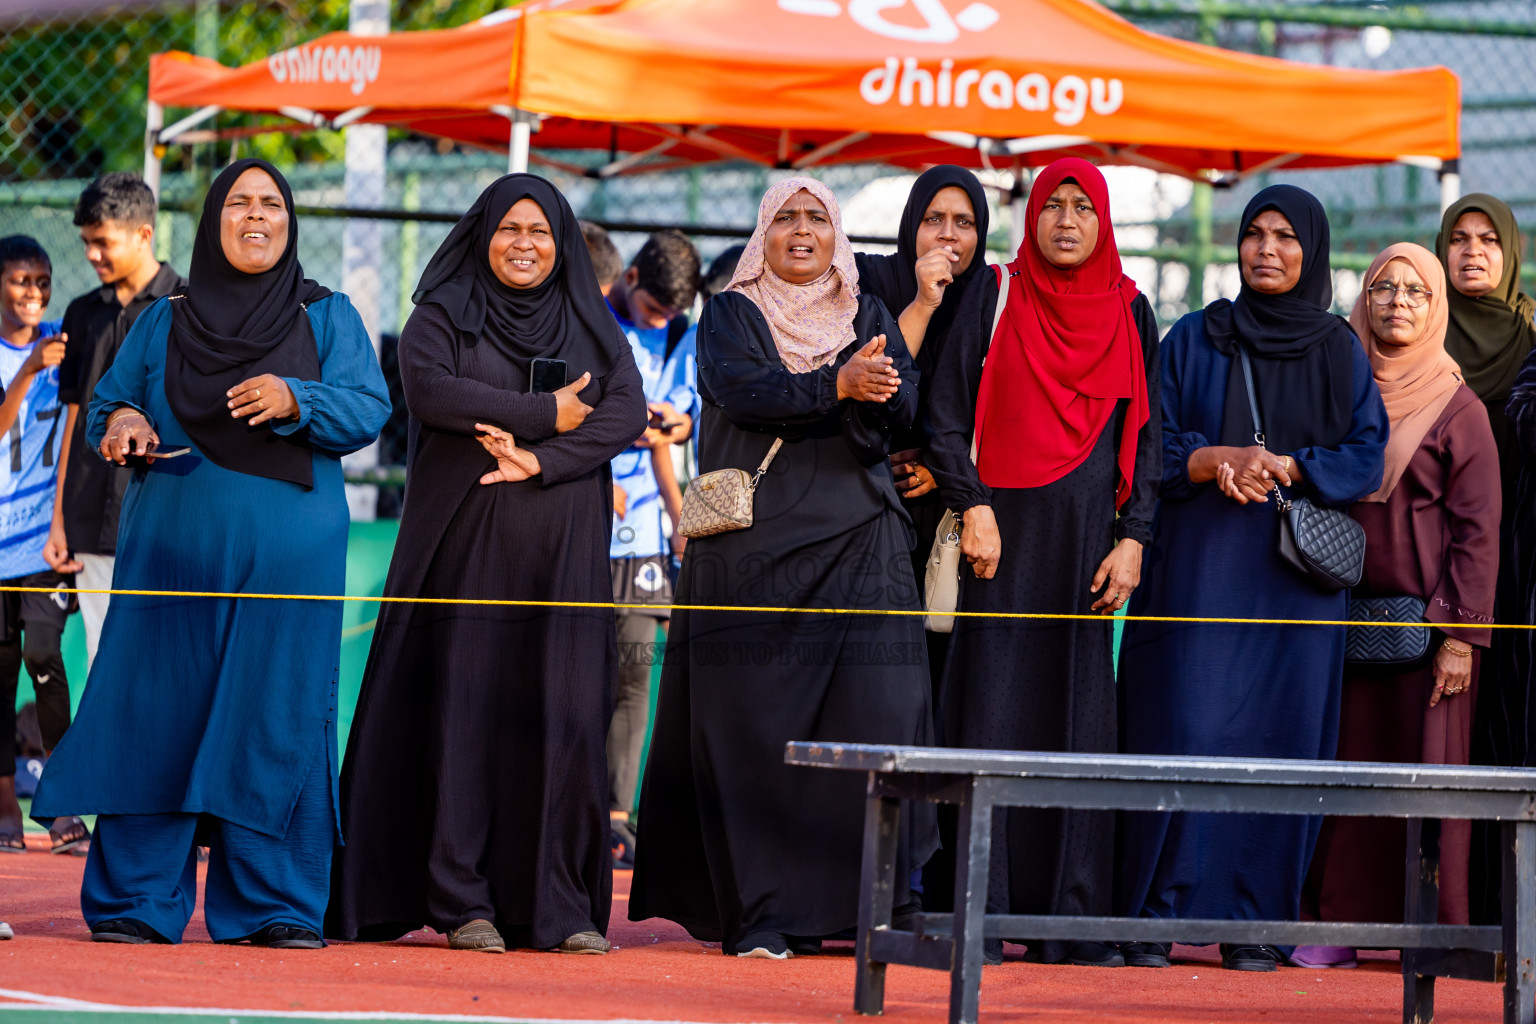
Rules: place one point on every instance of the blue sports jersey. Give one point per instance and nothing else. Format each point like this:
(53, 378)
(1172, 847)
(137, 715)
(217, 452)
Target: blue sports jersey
(29, 474)
(665, 379)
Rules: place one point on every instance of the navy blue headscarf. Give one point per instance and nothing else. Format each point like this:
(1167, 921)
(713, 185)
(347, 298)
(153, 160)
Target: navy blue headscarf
(1302, 354)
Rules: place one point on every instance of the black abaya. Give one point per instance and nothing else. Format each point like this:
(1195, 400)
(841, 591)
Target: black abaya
(893, 280)
(475, 782)
(733, 842)
(1039, 685)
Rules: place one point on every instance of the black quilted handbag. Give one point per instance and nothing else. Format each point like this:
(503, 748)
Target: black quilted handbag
(1386, 646)
(1324, 543)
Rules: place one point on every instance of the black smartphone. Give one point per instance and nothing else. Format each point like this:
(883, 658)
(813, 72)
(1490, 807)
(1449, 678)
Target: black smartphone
(547, 375)
(155, 450)
(670, 425)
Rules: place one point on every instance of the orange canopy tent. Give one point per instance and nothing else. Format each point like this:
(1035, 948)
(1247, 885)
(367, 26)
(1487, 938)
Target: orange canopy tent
(800, 83)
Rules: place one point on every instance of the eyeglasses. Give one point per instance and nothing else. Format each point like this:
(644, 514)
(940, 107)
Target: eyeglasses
(1384, 294)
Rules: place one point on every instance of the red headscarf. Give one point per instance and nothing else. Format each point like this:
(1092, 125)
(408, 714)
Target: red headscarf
(1065, 353)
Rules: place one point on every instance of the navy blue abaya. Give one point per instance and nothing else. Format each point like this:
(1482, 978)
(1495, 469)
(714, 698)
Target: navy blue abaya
(1232, 690)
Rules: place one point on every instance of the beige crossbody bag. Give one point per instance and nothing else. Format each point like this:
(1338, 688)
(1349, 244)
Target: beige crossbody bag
(941, 583)
(721, 501)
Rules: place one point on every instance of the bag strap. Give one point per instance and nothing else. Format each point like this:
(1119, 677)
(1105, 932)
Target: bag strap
(1253, 402)
(1282, 503)
(997, 318)
(1002, 301)
(778, 443)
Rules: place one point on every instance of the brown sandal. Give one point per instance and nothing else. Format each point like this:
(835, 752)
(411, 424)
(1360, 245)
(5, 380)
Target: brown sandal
(478, 935)
(589, 943)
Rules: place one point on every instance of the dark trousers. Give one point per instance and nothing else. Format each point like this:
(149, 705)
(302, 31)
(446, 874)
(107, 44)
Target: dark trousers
(38, 645)
(144, 867)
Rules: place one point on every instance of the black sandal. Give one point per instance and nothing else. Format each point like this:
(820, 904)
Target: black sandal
(71, 840)
(13, 842)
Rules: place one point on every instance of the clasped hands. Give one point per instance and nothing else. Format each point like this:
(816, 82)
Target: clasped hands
(1242, 474)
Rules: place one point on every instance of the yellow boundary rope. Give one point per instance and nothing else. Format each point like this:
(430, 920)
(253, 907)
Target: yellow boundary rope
(615, 605)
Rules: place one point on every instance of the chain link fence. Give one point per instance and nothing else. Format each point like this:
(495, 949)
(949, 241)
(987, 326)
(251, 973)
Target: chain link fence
(73, 82)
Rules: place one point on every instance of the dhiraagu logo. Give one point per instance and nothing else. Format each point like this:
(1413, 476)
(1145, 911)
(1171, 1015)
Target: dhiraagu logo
(910, 81)
(357, 65)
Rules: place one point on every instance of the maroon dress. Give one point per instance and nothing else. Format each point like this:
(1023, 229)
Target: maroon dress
(1435, 537)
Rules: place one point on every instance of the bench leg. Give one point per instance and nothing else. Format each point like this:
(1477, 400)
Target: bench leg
(882, 826)
(973, 861)
(1421, 905)
(1519, 840)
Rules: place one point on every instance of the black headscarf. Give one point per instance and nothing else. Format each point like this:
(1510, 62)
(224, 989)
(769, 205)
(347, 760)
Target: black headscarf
(232, 326)
(893, 279)
(1302, 354)
(565, 317)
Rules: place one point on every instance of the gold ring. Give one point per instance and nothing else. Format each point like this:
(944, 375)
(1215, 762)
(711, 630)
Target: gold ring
(258, 392)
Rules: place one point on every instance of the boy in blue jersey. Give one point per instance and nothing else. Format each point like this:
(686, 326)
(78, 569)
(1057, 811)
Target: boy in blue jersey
(31, 624)
(648, 299)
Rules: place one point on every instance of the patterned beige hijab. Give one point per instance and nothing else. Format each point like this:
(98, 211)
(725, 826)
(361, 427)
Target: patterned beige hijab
(811, 323)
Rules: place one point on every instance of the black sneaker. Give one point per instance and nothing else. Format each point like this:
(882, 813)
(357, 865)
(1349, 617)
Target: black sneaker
(764, 946)
(279, 936)
(992, 952)
(1146, 954)
(1250, 958)
(802, 946)
(125, 929)
(287, 936)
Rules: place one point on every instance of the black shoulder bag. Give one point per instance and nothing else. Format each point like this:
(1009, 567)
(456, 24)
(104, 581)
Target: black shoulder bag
(1366, 642)
(1324, 543)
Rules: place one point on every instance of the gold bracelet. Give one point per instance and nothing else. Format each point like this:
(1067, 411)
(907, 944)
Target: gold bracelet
(1460, 654)
(113, 416)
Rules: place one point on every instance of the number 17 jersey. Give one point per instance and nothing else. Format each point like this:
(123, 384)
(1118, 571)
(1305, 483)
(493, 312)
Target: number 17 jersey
(29, 463)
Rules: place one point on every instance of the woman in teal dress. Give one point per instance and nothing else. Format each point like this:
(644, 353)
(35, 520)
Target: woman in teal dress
(211, 721)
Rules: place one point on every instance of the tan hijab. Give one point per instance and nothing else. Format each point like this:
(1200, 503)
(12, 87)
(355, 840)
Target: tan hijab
(1417, 380)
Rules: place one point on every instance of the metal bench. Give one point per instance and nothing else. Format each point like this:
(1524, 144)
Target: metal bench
(979, 780)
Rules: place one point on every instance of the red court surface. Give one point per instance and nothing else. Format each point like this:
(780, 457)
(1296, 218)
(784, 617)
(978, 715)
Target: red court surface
(656, 973)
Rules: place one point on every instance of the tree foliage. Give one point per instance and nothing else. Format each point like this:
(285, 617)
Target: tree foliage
(73, 88)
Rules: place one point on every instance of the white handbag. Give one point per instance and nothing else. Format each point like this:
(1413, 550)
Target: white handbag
(941, 583)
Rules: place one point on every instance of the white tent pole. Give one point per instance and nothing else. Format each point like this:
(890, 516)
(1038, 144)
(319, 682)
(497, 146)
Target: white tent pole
(1018, 200)
(1450, 182)
(154, 120)
(519, 143)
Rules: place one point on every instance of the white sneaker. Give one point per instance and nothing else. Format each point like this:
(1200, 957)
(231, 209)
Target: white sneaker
(5, 931)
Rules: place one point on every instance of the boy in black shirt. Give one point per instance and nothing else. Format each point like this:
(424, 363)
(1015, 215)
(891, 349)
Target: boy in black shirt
(116, 217)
